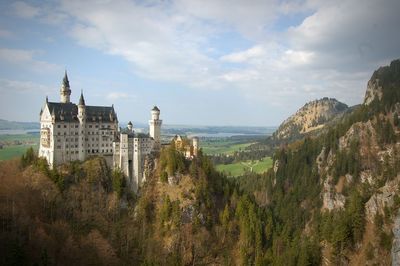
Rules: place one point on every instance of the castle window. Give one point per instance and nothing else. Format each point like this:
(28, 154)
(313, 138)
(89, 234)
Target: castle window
(76, 126)
(66, 146)
(65, 126)
(66, 152)
(90, 126)
(58, 133)
(97, 126)
(58, 126)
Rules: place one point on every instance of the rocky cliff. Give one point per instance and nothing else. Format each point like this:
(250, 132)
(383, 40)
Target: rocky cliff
(311, 117)
(383, 82)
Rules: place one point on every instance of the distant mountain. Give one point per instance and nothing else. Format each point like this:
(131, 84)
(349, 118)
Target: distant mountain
(311, 117)
(13, 125)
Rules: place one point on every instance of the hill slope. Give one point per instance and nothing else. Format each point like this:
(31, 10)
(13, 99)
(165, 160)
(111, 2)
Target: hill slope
(309, 118)
(11, 125)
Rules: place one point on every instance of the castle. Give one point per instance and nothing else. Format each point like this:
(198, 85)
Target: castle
(70, 132)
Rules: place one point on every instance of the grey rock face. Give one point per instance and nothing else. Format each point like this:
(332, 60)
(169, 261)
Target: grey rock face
(396, 241)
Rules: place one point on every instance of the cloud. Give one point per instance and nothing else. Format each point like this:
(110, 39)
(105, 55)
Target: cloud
(240, 57)
(25, 10)
(281, 60)
(5, 33)
(116, 96)
(297, 57)
(26, 59)
(18, 86)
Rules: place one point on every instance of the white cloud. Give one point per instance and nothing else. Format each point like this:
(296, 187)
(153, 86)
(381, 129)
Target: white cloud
(26, 59)
(115, 96)
(332, 52)
(241, 75)
(18, 86)
(297, 57)
(25, 10)
(240, 57)
(5, 33)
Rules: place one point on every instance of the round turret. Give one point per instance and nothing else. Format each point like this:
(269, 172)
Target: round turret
(155, 113)
(130, 126)
(65, 91)
(195, 143)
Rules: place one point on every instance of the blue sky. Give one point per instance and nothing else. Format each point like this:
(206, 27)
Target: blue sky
(202, 62)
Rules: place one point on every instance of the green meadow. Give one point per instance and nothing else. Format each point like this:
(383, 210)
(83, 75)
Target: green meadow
(16, 145)
(223, 146)
(239, 168)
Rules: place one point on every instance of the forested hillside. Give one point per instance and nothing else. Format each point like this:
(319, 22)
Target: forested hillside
(331, 199)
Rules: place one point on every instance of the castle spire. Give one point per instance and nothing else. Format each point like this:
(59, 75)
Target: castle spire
(65, 80)
(81, 99)
(65, 91)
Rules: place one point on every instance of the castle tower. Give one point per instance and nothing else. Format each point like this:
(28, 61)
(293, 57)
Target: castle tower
(82, 127)
(195, 143)
(155, 127)
(130, 126)
(65, 91)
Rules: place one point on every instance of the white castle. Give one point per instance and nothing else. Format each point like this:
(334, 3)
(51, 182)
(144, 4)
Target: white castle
(71, 132)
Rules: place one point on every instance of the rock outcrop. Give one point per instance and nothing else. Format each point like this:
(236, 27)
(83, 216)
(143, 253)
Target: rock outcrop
(383, 81)
(374, 91)
(396, 241)
(311, 117)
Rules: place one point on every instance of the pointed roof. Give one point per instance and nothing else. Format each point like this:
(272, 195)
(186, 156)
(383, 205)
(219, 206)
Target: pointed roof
(130, 123)
(155, 108)
(65, 80)
(81, 99)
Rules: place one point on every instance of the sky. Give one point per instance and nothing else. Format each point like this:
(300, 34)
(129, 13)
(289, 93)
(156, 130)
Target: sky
(210, 62)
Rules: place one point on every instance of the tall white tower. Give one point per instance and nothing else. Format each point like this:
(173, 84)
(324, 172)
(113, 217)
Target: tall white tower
(155, 127)
(195, 143)
(65, 91)
(82, 127)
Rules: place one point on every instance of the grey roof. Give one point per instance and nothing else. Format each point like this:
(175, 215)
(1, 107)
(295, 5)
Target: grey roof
(81, 99)
(68, 112)
(65, 80)
(142, 135)
(155, 108)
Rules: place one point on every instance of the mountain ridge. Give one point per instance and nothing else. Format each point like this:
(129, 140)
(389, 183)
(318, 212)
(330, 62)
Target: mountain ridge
(310, 118)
